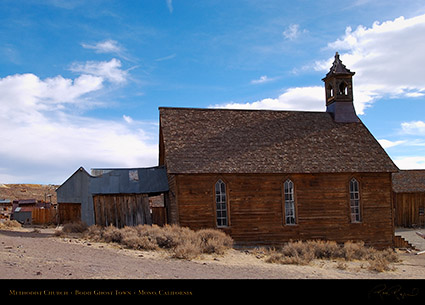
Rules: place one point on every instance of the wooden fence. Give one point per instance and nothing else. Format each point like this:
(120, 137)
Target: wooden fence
(41, 216)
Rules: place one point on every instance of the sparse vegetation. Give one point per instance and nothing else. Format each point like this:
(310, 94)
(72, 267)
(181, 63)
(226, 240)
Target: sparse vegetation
(182, 242)
(185, 243)
(7, 224)
(302, 253)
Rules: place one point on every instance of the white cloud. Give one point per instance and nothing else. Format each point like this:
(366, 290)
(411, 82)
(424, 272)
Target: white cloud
(386, 58)
(414, 127)
(41, 138)
(387, 143)
(263, 79)
(109, 70)
(107, 46)
(293, 32)
(298, 98)
(416, 162)
(127, 118)
(170, 5)
(166, 57)
(25, 95)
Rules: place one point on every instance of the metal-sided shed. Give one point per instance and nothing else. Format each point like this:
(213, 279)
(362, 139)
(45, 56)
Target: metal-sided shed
(75, 201)
(120, 197)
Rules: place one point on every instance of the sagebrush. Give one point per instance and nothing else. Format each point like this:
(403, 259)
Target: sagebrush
(302, 253)
(181, 241)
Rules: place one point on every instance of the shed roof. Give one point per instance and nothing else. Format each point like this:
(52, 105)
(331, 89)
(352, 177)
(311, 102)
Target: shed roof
(129, 181)
(265, 141)
(409, 181)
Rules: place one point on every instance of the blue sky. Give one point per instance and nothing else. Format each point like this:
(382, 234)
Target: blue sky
(81, 81)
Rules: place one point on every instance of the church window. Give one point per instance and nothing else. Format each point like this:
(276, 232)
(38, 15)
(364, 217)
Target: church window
(288, 188)
(355, 201)
(221, 204)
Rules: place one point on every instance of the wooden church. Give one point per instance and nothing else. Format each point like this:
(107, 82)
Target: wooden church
(267, 177)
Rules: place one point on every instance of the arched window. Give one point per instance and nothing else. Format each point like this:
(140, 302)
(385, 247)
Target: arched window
(343, 88)
(330, 91)
(221, 204)
(355, 201)
(288, 188)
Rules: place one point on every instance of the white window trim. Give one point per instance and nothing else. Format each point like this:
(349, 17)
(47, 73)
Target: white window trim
(220, 202)
(355, 209)
(289, 200)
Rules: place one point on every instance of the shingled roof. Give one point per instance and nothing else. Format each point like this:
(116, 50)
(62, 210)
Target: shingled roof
(409, 181)
(264, 141)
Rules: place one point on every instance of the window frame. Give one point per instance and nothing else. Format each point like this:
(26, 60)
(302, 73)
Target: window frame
(226, 203)
(292, 201)
(354, 196)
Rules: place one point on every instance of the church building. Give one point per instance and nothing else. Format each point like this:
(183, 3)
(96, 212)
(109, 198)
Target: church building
(267, 177)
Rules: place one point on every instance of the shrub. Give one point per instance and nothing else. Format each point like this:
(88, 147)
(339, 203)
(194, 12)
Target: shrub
(10, 224)
(355, 250)
(112, 234)
(94, 233)
(214, 241)
(181, 241)
(302, 253)
(75, 227)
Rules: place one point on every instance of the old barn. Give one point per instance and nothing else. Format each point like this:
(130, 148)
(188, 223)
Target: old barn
(266, 177)
(119, 197)
(409, 198)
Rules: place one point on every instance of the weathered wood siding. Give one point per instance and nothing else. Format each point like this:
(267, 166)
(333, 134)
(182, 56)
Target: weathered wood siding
(256, 207)
(69, 212)
(122, 210)
(44, 216)
(159, 216)
(409, 209)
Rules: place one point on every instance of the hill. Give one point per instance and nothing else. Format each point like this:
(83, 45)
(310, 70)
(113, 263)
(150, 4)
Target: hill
(28, 191)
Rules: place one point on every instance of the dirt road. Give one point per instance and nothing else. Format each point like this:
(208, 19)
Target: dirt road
(41, 255)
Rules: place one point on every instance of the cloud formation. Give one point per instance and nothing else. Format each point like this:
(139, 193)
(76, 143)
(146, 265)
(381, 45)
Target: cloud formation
(108, 70)
(298, 98)
(385, 58)
(293, 32)
(263, 79)
(43, 130)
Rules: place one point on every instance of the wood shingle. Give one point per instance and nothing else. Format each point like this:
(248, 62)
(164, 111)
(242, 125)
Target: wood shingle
(264, 141)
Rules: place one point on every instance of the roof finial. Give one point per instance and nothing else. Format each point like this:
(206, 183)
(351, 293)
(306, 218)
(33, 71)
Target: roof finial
(336, 55)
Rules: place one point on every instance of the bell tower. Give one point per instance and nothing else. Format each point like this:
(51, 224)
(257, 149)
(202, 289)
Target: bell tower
(339, 92)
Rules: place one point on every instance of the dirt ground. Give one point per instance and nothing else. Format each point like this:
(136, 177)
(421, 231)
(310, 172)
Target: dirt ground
(28, 254)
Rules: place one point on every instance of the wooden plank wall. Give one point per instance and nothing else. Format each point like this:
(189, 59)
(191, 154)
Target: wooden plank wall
(409, 209)
(69, 212)
(159, 216)
(44, 216)
(122, 210)
(322, 206)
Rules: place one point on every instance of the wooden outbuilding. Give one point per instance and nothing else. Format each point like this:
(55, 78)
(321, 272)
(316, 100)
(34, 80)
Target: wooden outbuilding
(267, 177)
(409, 198)
(119, 197)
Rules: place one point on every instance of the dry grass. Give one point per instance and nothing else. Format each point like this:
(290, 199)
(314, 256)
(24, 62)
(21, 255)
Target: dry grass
(7, 224)
(302, 253)
(180, 241)
(185, 243)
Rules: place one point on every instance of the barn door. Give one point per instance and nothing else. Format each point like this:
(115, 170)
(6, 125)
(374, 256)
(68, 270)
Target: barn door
(122, 210)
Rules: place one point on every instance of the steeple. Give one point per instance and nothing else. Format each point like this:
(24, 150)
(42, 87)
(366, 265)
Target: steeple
(339, 92)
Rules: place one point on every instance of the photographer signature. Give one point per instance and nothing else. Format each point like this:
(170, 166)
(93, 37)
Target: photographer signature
(395, 291)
